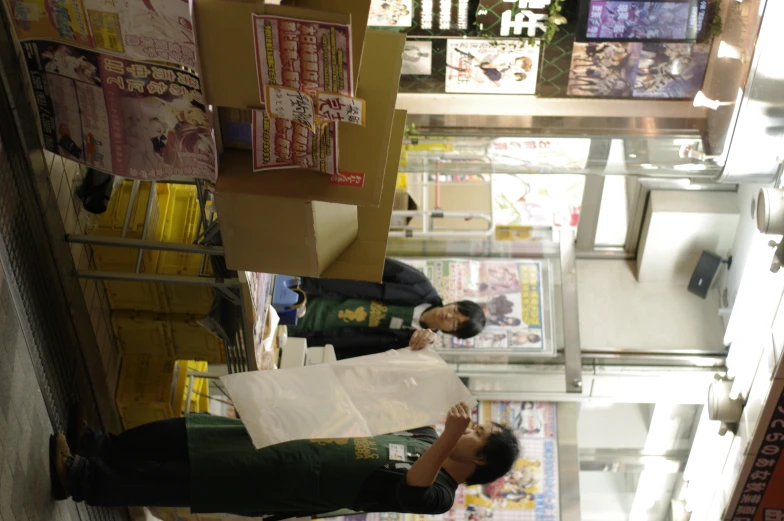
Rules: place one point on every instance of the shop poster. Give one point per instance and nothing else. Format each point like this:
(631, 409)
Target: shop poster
(418, 58)
(303, 55)
(640, 70)
(628, 20)
(390, 13)
(149, 30)
(512, 293)
(523, 203)
(482, 66)
(132, 119)
(280, 144)
(529, 493)
(440, 18)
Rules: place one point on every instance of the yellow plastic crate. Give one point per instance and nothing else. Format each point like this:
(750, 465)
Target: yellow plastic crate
(200, 386)
(166, 335)
(145, 379)
(136, 296)
(133, 415)
(109, 258)
(179, 225)
(188, 300)
(193, 342)
(137, 335)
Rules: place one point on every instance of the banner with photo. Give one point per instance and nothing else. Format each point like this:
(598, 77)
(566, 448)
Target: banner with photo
(481, 66)
(514, 294)
(639, 70)
(530, 492)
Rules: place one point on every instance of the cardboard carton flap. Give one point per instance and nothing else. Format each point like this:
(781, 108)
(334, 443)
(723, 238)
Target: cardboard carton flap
(224, 31)
(364, 258)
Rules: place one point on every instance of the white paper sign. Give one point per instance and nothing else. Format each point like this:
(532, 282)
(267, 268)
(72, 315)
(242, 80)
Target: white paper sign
(337, 107)
(358, 397)
(290, 104)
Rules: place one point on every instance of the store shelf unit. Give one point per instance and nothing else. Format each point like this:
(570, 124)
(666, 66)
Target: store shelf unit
(162, 261)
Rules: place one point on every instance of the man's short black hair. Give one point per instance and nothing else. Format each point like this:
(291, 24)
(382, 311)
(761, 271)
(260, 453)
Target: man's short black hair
(501, 452)
(475, 323)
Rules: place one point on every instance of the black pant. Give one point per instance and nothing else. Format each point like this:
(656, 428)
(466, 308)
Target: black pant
(145, 466)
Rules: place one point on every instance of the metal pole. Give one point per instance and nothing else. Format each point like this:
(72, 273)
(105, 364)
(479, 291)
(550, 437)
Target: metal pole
(102, 240)
(131, 207)
(571, 322)
(146, 229)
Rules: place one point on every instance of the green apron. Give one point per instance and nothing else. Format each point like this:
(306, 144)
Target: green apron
(229, 475)
(323, 314)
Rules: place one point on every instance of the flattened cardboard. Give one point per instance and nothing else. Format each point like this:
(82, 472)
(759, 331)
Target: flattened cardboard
(224, 31)
(275, 235)
(364, 259)
(362, 149)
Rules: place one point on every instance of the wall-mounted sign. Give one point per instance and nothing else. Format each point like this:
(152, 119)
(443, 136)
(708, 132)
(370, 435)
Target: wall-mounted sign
(491, 67)
(512, 18)
(629, 21)
(443, 18)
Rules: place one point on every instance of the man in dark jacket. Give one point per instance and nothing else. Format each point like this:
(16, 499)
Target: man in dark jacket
(361, 318)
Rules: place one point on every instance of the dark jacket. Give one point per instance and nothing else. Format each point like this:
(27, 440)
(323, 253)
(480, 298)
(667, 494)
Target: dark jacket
(402, 285)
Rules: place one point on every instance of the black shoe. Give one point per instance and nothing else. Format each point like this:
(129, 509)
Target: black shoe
(59, 457)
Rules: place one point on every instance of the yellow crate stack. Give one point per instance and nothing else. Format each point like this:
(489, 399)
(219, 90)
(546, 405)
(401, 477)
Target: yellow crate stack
(155, 325)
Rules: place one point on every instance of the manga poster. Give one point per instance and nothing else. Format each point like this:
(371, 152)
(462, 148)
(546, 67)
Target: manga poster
(483, 66)
(390, 13)
(281, 143)
(418, 58)
(536, 202)
(626, 20)
(159, 30)
(513, 294)
(530, 492)
(132, 119)
(642, 70)
(303, 55)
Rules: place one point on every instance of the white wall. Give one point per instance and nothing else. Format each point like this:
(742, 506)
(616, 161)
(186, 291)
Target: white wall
(616, 311)
(612, 426)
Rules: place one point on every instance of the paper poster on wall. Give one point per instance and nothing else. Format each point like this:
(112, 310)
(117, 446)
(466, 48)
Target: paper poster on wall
(660, 20)
(157, 30)
(281, 143)
(390, 13)
(513, 294)
(303, 55)
(418, 58)
(441, 18)
(536, 201)
(641, 70)
(483, 66)
(135, 120)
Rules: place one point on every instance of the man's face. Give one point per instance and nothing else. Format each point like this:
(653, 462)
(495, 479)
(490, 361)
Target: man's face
(447, 319)
(472, 442)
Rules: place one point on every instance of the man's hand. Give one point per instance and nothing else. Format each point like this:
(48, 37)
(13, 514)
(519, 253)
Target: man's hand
(458, 419)
(421, 339)
(424, 471)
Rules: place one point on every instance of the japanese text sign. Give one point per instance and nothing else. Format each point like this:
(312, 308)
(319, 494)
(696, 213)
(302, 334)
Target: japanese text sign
(290, 104)
(336, 107)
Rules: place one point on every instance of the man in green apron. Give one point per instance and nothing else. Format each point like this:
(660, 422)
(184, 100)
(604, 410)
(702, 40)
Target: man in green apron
(209, 464)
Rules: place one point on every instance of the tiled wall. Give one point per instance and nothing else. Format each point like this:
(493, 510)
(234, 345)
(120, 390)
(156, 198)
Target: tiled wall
(65, 177)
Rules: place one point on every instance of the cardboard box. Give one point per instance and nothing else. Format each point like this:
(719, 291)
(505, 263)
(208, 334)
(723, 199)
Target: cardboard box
(362, 149)
(311, 238)
(227, 51)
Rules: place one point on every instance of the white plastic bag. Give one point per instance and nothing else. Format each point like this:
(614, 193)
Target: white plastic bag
(363, 396)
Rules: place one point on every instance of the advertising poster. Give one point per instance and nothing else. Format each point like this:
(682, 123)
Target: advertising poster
(642, 70)
(491, 67)
(158, 30)
(302, 55)
(524, 203)
(390, 13)
(505, 18)
(511, 292)
(638, 20)
(441, 18)
(418, 58)
(131, 119)
(529, 493)
(757, 495)
(280, 143)
(541, 155)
